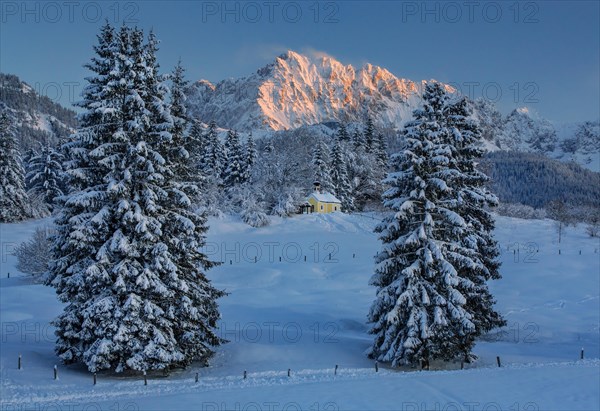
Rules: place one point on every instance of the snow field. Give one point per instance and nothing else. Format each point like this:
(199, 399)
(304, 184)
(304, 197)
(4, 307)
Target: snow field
(309, 316)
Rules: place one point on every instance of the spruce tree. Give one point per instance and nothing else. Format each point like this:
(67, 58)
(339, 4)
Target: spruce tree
(251, 155)
(322, 171)
(14, 203)
(430, 272)
(358, 141)
(214, 163)
(181, 142)
(269, 148)
(471, 200)
(31, 152)
(206, 161)
(45, 175)
(184, 229)
(342, 133)
(380, 152)
(364, 171)
(235, 172)
(339, 176)
(369, 135)
(128, 261)
(199, 148)
(78, 238)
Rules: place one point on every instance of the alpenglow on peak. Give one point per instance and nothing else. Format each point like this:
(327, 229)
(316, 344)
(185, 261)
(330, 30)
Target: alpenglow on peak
(296, 90)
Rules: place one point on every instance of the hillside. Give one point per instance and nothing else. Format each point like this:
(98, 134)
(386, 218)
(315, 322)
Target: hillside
(37, 117)
(535, 180)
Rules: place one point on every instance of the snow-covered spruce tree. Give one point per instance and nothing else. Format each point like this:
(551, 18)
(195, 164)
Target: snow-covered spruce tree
(205, 152)
(45, 175)
(14, 203)
(380, 152)
(181, 142)
(339, 175)
(235, 172)
(216, 159)
(251, 155)
(471, 199)
(78, 235)
(128, 263)
(358, 140)
(429, 269)
(342, 133)
(320, 162)
(369, 135)
(29, 154)
(198, 147)
(195, 311)
(269, 148)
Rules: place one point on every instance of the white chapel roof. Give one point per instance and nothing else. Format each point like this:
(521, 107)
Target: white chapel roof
(325, 197)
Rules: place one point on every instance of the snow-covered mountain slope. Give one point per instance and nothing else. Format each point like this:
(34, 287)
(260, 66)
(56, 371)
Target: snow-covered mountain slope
(579, 142)
(524, 130)
(297, 90)
(311, 315)
(37, 118)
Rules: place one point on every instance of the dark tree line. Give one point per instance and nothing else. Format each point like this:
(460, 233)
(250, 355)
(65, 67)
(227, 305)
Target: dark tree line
(536, 180)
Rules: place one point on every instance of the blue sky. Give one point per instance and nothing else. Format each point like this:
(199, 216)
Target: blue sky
(540, 54)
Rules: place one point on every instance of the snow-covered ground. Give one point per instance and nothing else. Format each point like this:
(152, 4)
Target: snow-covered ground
(309, 316)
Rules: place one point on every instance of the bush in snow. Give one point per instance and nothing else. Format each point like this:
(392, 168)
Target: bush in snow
(520, 211)
(593, 221)
(287, 202)
(593, 230)
(253, 215)
(34, 255)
